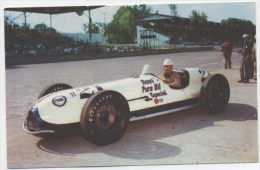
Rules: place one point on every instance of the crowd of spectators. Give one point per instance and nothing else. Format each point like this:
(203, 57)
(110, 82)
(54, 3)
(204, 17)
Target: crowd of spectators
(41, 41)
(44, 41)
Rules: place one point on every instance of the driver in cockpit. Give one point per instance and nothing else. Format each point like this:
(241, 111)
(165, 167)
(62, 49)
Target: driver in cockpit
(169, 76)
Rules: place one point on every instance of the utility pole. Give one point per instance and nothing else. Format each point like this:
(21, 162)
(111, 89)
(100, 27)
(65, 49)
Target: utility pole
(104, 28)
(104, 17)
(50, 21)
(89, 26)
(25, 22)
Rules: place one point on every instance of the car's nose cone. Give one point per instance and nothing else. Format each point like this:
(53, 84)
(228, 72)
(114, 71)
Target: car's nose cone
(34, 124)
(33, 120)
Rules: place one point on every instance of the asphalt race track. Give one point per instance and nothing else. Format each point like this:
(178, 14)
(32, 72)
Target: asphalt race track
(188, 137)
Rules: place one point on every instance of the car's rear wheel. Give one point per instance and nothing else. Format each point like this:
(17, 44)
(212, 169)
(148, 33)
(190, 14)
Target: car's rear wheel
(54, 88)
(215, 93)
(104, 117)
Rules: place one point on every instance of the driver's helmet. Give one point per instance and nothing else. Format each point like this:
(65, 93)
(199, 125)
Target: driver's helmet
(245, 36)
(168, 62)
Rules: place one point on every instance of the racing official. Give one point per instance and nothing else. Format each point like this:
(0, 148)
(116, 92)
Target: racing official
(169, 76)
(254, 58)
(226, 48)
(246, 59)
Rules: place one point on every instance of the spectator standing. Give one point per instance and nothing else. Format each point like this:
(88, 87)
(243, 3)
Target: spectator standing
(246, 53)
(226, 48)
(254, 58)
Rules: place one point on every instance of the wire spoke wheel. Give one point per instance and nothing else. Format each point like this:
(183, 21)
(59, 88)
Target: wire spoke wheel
(215, 93)
(104, 117)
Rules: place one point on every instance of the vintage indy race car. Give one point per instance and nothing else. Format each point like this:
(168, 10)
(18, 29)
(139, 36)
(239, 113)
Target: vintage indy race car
(103, 111)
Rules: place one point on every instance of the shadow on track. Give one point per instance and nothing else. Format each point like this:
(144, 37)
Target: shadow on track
(14, 67)
(142, 138)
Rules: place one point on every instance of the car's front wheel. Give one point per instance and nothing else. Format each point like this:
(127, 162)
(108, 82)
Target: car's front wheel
(54, 88)
(104, 117)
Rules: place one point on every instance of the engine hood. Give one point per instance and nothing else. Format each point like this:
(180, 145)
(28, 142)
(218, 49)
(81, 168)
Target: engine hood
(64, 107)
(54, 108)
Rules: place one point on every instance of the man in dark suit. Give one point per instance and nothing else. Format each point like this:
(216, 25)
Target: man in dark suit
(246, 53)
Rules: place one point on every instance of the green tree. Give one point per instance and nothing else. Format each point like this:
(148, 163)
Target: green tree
(238, 22)
(94, 28)
(198, 16)
(173, 9)
(101, 26)
(40, 27)
(122, 29)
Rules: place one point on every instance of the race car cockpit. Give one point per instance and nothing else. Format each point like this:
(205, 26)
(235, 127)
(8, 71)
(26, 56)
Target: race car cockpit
(184, 75)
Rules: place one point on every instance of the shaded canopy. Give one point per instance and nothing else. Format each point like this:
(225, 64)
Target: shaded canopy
(186, 29)
(55, 10)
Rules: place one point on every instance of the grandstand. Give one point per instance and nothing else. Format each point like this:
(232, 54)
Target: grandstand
(159, 30)
(42, 41)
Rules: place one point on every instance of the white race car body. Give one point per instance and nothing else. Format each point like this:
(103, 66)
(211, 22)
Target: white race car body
(103, 110)
(143, 93)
